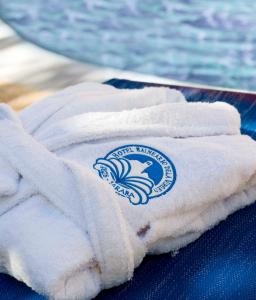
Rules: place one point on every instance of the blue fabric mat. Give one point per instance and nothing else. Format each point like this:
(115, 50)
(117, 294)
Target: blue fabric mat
(219, 265)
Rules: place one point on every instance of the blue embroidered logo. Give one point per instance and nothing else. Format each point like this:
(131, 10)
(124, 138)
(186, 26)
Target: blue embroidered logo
(137, 172)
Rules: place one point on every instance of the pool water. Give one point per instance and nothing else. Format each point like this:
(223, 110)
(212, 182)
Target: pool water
(211, 42)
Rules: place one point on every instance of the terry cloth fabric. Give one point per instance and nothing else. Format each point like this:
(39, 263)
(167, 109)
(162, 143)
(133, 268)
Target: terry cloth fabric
(100, 177)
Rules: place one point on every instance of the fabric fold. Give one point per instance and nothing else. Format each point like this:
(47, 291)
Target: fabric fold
(93, 217)
(46, 251)
(174, 120)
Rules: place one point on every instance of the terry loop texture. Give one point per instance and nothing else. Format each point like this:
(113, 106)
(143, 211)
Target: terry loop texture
(64, 231)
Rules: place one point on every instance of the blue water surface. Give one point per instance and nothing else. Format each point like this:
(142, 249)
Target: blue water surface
(212, 42)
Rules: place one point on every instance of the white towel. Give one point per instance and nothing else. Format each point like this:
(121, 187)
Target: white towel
(95, 178)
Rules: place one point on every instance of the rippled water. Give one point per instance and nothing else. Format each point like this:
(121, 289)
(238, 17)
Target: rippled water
(211, 42)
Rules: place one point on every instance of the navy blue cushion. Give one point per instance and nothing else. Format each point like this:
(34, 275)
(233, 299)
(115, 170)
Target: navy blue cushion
(221, 264)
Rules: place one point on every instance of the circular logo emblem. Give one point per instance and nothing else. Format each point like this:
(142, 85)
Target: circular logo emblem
(137, 172)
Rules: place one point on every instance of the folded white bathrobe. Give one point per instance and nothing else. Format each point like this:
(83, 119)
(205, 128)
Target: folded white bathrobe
(93, 178)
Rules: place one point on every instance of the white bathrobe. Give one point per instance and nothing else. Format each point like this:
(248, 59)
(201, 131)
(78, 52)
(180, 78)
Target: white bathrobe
(94, 178)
